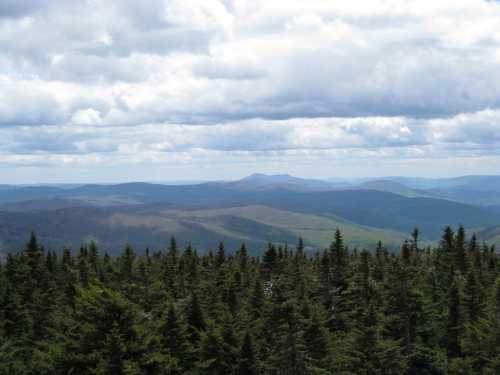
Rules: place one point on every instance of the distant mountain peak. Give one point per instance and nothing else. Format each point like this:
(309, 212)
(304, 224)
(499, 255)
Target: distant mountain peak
(270, 177)
(261, 181)
(259, 175)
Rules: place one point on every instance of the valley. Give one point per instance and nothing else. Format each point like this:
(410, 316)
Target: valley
(255, 210)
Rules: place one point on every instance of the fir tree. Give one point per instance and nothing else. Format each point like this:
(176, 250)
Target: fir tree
(455, 321)
(221, 255)
(270, 259)
(195, 319)
(173, 252)
(127, 263)
(418, 312)
(339, 261)
(460, 251)
(247, 362)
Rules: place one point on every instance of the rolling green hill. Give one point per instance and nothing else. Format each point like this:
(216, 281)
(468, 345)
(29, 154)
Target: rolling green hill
(254, 210)
(315, 230)
(147, 227)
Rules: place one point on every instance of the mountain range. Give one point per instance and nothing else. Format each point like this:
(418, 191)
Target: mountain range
(254, 210)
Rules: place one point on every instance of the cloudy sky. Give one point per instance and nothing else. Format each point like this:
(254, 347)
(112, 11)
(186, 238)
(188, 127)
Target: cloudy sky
(157, 90)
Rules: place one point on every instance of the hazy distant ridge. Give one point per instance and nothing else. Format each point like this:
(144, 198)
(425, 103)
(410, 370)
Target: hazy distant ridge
(146, 214)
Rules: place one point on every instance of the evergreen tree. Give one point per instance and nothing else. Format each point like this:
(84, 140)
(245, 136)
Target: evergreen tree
(415, 238)
(460, 251)
(212, 356)
(94, 258)
(127, 263)
(173, 252)
(243, 255)
(422, 311)
(270, 259)
(221, 255)
(13, 320)
(300, 248)
(257, 301)
(473, 297)
(247, 364)
(174, 343)
(455, 321)
(339, 261)
(83, 269)
(195, 319)
(316, 344)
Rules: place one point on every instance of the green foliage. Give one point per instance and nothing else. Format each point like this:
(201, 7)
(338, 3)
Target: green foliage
(419, 312)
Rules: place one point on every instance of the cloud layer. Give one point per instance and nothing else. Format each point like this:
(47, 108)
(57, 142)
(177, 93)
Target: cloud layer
(90, 83)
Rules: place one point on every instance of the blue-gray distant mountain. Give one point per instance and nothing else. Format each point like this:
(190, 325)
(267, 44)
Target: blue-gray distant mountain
(474, 182)
(478, 190)
(396, 188)
(256, 209)
(259, 181)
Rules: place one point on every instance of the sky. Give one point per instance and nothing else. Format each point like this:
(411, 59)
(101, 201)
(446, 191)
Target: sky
(159, 90)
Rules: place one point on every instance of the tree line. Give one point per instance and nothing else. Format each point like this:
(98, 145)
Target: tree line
(422, 310)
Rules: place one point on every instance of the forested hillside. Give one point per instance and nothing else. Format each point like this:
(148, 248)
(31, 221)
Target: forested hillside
(255, 210)
(341, 311)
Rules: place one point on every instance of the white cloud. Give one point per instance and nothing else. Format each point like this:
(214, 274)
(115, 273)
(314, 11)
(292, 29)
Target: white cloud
(126, 81)
(87, 116)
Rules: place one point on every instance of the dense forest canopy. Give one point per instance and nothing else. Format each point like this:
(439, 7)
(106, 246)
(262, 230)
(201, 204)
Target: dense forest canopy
(341, 311)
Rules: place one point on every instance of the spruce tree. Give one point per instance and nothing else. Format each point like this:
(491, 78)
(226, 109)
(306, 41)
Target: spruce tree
(454, 321)
(195, 319)
(211, 356)
(257, 301)
(417, 312)
(174, 339)
(221, 255)
(300, 248)
(339, 262)
(460, 253)
(316, 344)
(269, 259)
(473, 298)
(173, 252)
(127, 263)
(247, 362)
